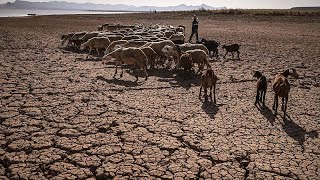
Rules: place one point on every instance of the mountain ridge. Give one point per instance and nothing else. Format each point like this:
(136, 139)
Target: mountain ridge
(63, 5)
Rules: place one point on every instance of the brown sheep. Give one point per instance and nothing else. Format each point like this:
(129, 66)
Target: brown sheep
(199, 57)
(131, 56)
(208, 80)
(281, 88)
(186, 63)
(96, 43)
(261, 88)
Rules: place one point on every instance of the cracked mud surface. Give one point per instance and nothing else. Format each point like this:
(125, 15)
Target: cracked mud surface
(65, 118)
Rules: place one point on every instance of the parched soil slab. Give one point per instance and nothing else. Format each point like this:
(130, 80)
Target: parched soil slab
(64, 117)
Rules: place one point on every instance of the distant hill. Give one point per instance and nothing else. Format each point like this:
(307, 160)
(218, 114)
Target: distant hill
(19, 4)
(306, 8)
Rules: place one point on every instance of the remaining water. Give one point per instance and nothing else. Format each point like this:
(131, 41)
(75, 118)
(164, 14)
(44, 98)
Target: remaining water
(25, 12)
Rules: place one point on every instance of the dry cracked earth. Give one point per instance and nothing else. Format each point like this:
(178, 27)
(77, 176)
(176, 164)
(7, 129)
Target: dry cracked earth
(66, 118)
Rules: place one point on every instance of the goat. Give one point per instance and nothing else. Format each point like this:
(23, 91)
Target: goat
(261, 88)
(208, 80)
(281, 88)
(232, 48)
(212, 46)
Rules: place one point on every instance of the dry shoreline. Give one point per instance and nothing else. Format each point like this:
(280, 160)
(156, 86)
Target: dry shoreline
(65, 118)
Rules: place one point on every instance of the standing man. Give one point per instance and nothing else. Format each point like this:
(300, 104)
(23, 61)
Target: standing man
(194, 29)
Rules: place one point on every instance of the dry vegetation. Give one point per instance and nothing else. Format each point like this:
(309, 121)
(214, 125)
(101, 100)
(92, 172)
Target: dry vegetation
(63, 117)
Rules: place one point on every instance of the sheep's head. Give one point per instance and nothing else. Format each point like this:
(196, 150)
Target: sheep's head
(209, 73)
(257, 74)
(292, 72)
(82, 46)
(186, 57)
(106, 58)
(167, 50)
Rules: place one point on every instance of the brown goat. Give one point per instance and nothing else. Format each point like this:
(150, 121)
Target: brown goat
(208, 80)
(261, 88)
(281, 88)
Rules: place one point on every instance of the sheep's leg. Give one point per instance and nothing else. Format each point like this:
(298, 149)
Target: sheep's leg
(121, 65)
(232, 54)
(225, 55)
(200, 91)
(210, 95)
(145, 72)
(88, 53)
(238, 52)
(116, 70)
(97, 49)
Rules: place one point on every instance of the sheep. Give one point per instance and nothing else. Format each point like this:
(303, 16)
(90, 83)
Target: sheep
(75, 39)
(65, 38)
(208, 80)
(172, 51)
(281, 88)
(169, 33)
(211, 45)
(88, 36)
(199, 57)
(114, 37)
(132, 56)
(185, 62)
(177, 38)
(151, 55)
(131, 37)
(188, 46)
(181, 28)
(158, 46)
(232, 48)
(96, 43)
(112, 45)
(136, 44)
(261, 88)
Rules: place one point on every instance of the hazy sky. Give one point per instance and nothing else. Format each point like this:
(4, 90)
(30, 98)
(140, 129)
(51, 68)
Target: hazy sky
(263, 4)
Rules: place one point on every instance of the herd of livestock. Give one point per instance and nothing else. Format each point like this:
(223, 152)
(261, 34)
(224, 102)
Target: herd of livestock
(148, 47)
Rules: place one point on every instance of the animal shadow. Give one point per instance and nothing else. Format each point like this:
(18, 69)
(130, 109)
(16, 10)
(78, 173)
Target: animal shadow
(267, 113)
(119, 82)
(186, 81)
(210, 108)
(162, 73)
(297, 132)
(90, 58)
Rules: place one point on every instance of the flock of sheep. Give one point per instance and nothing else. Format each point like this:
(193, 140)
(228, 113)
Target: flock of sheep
(148, 47)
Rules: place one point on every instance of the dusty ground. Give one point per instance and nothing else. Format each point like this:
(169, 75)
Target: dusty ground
(65, 118)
